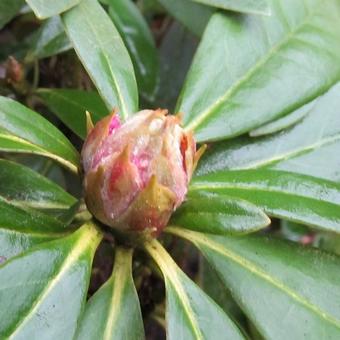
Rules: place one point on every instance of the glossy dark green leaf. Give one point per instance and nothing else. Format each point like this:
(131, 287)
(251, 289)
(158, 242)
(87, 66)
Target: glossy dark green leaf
(23, 130)
(43, 291)
(139, 41)
(285, 289)
(286, 195)
(50, 40)
(284, 122)
(175, 63)
(113, 312)
(192, 15)
(191, 314)
(307, 147)
(210, 282)
(67, 216)
(48, 8)
(21, 228)
(261, 67)
(44, 166)
(322, 162)
(24, 187)
(219, 214)
(70, 106)
(103, 54)
(8, 9)
(245, 6)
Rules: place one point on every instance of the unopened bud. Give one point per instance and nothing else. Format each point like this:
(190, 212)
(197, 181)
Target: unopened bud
(137, 173)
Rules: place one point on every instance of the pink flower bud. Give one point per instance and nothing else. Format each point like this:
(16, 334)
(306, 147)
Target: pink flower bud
(137, 173)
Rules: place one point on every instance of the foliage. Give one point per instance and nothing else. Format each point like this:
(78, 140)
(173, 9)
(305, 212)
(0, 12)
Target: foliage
(262, 90)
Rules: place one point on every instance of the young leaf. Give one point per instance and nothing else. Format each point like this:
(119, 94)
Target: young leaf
(139, 41)
(26, 188)
(281, 194)
(50, 40)
(48, 8)
(113, 312)
(43, 291)
(192, 15)
(23, 130)
(191, 314)
(21, 228)
(288, 59)
(103, 54)
(70, 106)
(285, 289)
(219, 214)
(245, 6)
(308, 147)
(8, 9)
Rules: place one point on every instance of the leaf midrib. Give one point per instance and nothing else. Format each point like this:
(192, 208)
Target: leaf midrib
(80, 246)
(222, 186)
(120, 96)
(61, 139)
(198, 239)
(119, 280)
(289, 155)
(39, 151)
(168, 268)
(39, 204)
(173, 280)
(196, 122)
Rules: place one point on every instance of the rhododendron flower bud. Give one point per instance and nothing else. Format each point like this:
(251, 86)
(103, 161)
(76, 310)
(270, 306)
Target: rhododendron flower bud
(137, 173)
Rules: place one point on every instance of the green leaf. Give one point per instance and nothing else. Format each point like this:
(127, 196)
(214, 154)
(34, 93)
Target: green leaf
(219, 214)
(8, 9)
(48, 8)
(215, 288)
(103, 54)
(44, 166)
(43, 291)
(24, 187)
(70, 106)
(245, 6)
(174, 63)
(113, 312)
(308, 147)
(191, 314)
(139, 41)
(283, 122)
(50, 40)
(322, 162)
(193, 16)
(67, 216)
(21, 228)
(23, 130)
(262, 67)
(281, 194)
(285, 289)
